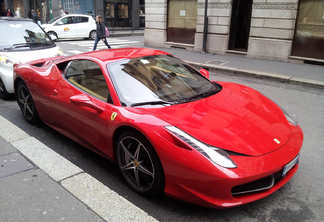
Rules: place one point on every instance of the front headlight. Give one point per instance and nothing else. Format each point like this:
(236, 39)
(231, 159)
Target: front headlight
(59, 52)
(216, 155)
(288, 117)
(7, 60)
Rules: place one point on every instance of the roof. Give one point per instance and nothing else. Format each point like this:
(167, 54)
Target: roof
(122, 53)
(5, 18)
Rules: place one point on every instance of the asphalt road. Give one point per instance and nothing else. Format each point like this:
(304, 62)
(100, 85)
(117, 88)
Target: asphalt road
(301, 199)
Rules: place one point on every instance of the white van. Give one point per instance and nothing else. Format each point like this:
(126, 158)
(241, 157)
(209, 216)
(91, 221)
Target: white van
(21, 40)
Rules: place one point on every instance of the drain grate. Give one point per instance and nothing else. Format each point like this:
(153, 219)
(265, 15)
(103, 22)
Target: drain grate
(216, 62)
(13, 163)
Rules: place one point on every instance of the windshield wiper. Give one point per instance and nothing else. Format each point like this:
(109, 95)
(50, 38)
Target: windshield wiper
(21, 45)
(161, 102)
(203, 94)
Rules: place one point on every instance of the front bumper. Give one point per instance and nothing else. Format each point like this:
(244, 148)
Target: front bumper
(191, 177)
(6, 75)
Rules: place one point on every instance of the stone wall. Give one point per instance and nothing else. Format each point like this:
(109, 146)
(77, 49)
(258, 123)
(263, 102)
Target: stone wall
(271, 32)
(155, 23)
(272, 29)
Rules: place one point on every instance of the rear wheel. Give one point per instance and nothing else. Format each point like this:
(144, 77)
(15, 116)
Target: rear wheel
(139, 163)
(26, 103)
(93, 34)
(3, 92)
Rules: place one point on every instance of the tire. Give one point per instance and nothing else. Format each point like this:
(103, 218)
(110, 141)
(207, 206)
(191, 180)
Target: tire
(52, 33)
(3, 92)
(93, 35)
(26, 104)
(139, 163)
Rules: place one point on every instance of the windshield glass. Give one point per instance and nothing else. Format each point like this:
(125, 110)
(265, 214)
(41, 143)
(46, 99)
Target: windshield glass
(158, 80)
(22, 35)
(54, 19)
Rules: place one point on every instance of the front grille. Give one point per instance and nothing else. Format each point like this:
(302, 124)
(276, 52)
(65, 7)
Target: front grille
(258, 185)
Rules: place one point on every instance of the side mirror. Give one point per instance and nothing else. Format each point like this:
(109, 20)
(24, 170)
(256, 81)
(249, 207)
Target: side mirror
(84, 100)
(205, 73)
(60, 23)
(53, 37)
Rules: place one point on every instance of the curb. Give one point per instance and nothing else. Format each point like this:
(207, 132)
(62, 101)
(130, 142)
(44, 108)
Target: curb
(258, 74)
(103, 201)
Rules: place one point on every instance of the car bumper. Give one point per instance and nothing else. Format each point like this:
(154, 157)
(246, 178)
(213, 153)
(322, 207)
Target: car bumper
(191, 177)
(6, 75)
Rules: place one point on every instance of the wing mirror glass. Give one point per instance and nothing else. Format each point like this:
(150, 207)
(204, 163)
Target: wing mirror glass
(205, 73)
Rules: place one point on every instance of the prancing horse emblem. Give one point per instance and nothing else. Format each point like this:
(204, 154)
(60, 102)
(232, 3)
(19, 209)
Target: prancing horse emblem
(113, 116)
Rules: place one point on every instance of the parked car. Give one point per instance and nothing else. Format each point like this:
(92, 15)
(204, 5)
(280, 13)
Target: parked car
(71, 26)
(169, 128)
(21, 40)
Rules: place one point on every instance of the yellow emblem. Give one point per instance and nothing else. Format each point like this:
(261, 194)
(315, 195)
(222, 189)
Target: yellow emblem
(113, 116)
(277, 141)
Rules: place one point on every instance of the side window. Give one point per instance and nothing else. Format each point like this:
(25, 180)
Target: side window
(67, 20)
(87, 76)
(81, 19)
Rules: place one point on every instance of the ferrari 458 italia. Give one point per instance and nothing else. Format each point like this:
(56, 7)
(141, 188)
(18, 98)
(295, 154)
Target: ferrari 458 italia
(168, 127)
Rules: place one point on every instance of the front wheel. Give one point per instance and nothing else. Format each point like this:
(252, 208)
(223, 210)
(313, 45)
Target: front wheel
(93, 34)
(139, 163)
(26, 103)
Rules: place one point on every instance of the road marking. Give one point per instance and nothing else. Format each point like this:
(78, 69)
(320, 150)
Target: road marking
(75, 51)
(105, 202)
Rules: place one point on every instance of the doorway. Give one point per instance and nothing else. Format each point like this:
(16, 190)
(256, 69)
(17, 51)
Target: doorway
(240, 25)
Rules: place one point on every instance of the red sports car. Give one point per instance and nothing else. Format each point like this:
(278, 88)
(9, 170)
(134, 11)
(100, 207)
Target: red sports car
(169, 128)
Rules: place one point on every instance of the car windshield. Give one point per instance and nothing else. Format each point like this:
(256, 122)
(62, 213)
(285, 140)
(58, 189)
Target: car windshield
(158, 80)
(54, 19)
(23, 35)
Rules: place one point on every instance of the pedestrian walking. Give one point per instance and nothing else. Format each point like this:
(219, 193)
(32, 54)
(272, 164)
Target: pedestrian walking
(9, 13)
(34, 16)
(101, 32)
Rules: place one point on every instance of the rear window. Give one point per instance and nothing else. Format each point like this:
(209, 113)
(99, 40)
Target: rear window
(22, 35)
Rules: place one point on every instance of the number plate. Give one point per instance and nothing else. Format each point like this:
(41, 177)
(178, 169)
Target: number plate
(290, 165)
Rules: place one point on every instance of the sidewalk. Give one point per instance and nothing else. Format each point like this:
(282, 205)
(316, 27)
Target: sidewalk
(300, 74)
(34, 188)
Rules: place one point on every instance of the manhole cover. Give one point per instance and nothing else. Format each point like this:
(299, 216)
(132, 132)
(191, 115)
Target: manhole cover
(216, 62)
(13, 163)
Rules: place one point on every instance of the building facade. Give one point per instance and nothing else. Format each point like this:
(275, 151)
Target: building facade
(117, 13)
(286, 30)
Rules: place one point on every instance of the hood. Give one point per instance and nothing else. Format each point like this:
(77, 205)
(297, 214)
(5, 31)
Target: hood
(35, 54)
(237, 119)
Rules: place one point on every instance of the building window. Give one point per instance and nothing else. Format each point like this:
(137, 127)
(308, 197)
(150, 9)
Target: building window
(84, 7)
(308, 41)
(310, 21)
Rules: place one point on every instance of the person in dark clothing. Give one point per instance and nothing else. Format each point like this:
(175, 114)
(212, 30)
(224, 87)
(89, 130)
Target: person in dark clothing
(30, 14)
(34, 16)
(9, 13)
(101, 32)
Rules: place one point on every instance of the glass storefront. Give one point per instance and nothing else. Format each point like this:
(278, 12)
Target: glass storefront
(18, 8)
(85, 7)
(117, 13)
(309, 36)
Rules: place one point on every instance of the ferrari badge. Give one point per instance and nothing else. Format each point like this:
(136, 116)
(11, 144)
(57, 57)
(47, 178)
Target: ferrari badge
(113, 116)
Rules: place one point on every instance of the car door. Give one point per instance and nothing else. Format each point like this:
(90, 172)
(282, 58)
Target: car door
(66, 27)
(82, 104)
(82, 26)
